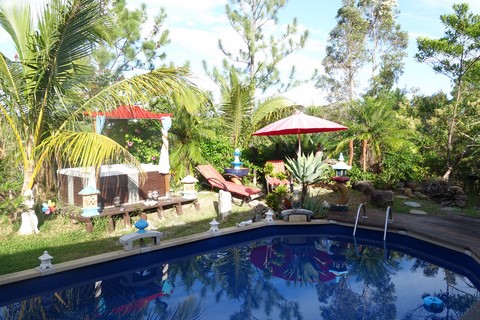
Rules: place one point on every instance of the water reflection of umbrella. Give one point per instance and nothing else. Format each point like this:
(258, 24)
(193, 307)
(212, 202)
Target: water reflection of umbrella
(299, 123)
(305, 264)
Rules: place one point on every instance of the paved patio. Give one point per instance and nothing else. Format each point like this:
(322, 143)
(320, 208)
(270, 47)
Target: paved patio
(456, 231)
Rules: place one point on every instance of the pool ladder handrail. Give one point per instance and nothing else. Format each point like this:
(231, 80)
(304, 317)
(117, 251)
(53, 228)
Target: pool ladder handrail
(361, 207)
(388, 218)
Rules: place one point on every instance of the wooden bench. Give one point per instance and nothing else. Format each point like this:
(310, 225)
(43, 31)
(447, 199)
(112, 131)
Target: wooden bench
(138, 207)
(127, 240)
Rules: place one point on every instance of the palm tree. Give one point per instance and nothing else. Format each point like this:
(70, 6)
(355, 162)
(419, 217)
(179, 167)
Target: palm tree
(241, 114)
(377, 127)
(42, 92)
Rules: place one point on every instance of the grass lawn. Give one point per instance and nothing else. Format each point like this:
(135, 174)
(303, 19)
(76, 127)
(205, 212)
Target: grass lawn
(66, 241)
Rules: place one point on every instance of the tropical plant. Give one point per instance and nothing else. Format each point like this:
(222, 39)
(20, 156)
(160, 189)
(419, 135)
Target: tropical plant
(457, 56)
(241, 115)
(42, 91)
(375, 128)
(308, 170)
(316, 204)
(274, 198)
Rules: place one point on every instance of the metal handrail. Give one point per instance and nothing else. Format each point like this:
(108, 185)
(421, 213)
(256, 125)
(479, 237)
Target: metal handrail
(361, 206)
(388, 218)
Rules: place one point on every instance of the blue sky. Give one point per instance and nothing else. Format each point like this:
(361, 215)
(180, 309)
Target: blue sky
(196, 26)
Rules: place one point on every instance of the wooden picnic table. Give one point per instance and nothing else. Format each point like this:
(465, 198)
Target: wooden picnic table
(128, 209)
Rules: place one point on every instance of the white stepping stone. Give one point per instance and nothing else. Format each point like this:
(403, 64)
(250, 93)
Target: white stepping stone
(412, 204)
(416, 211)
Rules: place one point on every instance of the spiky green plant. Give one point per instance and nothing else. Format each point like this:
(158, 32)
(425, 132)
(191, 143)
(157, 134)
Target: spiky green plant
(307, 170)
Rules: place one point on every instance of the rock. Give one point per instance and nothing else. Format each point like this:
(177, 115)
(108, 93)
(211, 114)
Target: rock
(416, 211)
(364, 186)
(460, 203)
(412, 204)
(456, 189)
(400, 185)
(460, 197)
(411, 185)
(408, 192)
(382, 198)
(420, 195)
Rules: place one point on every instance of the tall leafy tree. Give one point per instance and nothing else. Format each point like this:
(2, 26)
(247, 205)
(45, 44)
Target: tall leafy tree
(454, 55)
(42, 91)
(386, 43)
(131, 46)
(345, 52)
(366, 35)
(257, 60)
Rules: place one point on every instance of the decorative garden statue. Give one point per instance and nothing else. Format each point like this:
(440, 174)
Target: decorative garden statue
(29, 218)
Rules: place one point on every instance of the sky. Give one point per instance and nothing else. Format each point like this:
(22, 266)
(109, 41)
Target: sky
(195, 27)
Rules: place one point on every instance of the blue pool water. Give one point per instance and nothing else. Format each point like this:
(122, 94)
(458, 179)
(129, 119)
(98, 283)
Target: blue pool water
(278, 272)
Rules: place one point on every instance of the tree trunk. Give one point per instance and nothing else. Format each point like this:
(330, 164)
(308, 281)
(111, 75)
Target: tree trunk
(350, 147)
(451, 132)
(28, 176)
(364, 155)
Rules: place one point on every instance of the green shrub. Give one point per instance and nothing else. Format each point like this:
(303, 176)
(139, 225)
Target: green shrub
(314, 203)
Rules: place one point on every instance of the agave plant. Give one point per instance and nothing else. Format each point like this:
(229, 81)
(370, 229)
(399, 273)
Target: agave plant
(307, 170)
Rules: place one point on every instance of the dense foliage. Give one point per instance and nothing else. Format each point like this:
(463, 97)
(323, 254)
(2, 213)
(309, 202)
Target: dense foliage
(393, 135)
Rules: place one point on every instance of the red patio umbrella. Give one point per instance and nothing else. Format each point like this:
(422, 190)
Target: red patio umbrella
(297, 124)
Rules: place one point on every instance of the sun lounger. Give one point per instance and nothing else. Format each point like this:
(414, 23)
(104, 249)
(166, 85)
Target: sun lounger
(216, 180)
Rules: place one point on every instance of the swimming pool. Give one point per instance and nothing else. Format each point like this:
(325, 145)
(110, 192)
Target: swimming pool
(278, 272)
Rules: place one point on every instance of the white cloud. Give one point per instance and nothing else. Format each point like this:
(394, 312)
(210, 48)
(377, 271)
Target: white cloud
(196, 26)
(445, 5)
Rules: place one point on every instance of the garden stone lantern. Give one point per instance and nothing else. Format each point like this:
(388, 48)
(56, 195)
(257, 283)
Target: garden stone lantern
(214, 225)
(341, 179)
(90, 201)
(189, 191)
(45, 262)
(269, 216)
(341, 169)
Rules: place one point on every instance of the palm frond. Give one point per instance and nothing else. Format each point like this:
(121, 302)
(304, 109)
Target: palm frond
(269, 107)
(17, 22)
(85, 149)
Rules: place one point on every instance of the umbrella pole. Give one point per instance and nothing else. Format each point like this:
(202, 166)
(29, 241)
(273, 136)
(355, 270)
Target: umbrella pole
(299, 152)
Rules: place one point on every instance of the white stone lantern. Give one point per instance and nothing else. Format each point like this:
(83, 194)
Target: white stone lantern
(214, 225)
(90, 201)
(269, 216)
(189, 191)
(341, 167)
(45, 261)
